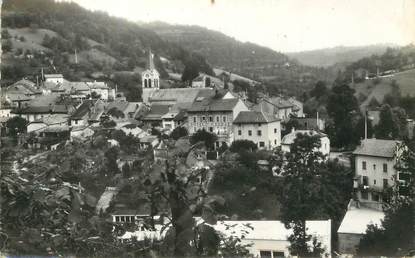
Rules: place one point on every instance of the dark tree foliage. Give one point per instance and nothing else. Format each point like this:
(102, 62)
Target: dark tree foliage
(243, 145)
(207, 138)
(392, 123)
(311, 189)
(115, 112)
(341, 107)
(319, 90)
(16, 125)
(179, 132)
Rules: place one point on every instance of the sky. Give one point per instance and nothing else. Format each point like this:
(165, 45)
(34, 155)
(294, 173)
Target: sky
(283, 25)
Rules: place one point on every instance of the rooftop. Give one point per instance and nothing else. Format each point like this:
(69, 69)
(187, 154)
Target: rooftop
(212, 104)
(251, 117)
(377, 148)
(180, 95)
(356, 220)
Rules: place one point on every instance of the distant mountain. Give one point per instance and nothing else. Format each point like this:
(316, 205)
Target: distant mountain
(337, 55)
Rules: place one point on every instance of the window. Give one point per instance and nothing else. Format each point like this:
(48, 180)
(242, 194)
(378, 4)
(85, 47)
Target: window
(217, 119)
(276, 254)
(374, 181)
(275, 142)
(385, 167)
(149, 83)
(259, 133)
(210, 119)
(194, 119)
(375, 197)
(203, 118)
(364, 165)
(211, 129)
(365, 180)
(385, 183)
(259, 125)
(249, 133)
(117, 219)
(265, 254)
(261, 144)
(239, 132)
(365, 195)
(374, 166)
(275, 130)
(224, 119)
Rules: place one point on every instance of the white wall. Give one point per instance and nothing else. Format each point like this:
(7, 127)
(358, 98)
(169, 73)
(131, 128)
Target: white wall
(269, 137)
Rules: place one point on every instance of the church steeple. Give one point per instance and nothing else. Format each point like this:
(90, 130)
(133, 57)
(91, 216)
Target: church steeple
(150, 60)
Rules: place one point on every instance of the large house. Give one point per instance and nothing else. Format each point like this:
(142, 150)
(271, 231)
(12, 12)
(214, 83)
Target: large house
(261, 128)
(279, 107)
(215, 115)
(375, 171)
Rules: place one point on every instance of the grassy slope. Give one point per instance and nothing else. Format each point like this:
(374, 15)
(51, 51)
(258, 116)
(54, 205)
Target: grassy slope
(405, 80)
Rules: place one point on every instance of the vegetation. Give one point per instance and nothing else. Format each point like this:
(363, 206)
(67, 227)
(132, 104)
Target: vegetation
(179, 132)
(243, 145)
(16, 125)
(207, 138)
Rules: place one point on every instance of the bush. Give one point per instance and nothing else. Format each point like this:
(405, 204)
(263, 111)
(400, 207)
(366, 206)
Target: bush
(243, 145)
(179, 132)
(202, 136)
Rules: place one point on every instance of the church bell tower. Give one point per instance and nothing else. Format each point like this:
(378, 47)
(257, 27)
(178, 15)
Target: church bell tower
(150, 80)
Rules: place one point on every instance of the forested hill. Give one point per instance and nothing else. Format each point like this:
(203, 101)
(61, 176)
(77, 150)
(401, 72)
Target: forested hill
(280, 73)
(337, 55)
(218, 48)
(45, 33)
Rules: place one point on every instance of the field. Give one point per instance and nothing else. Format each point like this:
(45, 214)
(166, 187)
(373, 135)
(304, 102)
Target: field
(405, 81)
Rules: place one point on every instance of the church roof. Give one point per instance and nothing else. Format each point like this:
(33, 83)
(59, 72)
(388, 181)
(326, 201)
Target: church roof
(181, 95)
(215, 105)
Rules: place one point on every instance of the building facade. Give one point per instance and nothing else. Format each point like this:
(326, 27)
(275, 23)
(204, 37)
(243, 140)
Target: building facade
(215, 116)
(263, 129)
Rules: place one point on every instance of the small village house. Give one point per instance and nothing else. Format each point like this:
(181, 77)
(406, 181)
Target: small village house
(289, 139)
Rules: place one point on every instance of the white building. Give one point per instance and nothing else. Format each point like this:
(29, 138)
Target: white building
(54, 78)
(375, 162)
(288, 140)
(261, 128)
(353, 226)
(269, 238)
(99, 88)
(150, 80)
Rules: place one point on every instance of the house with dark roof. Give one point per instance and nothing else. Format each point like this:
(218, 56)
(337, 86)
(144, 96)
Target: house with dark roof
(215, 115)
(87, 113)
(375, 161)
(279, 106)
(153, 117)
(261, 128)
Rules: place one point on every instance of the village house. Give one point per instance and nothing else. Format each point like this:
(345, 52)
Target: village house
(54, 78)
(32, 113)
(173, 119)
(261, 128)
(215, 115)
(309, 123)
(353, 226)
(19, 93)
(289, 139)
(88, 112)
(375, 171)
(269, 238)
(278, 106)
(47, 121)
(101, 89)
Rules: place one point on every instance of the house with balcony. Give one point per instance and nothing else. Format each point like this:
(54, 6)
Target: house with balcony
(261, 128)
(375, 171)
(215, 115)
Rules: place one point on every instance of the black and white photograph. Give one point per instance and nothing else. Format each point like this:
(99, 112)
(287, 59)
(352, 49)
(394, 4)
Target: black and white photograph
(207, 128)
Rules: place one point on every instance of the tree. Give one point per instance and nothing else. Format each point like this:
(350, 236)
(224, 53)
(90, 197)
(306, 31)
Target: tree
(395, 237)
(243, 145)
(16, 125)
(311, 189)
(202, 136)
(179, 132)
(115, 112)
(341, 107)
(319, 90)
(392, 123)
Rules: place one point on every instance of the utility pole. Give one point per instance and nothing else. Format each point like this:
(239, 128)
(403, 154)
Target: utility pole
(76, 57)
(365, 124)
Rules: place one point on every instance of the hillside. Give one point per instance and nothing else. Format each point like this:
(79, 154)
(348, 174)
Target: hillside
(337, 55)
(280, 73)
(45, 34)
(378, 88)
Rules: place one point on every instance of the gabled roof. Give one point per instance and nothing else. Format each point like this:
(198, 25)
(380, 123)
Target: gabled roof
(52, 109)
(91, 108)
(377, 148)
(181, 95)
(52, 119)
(254, 117)
(356, 220)
(213, 105)
(156, 112)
